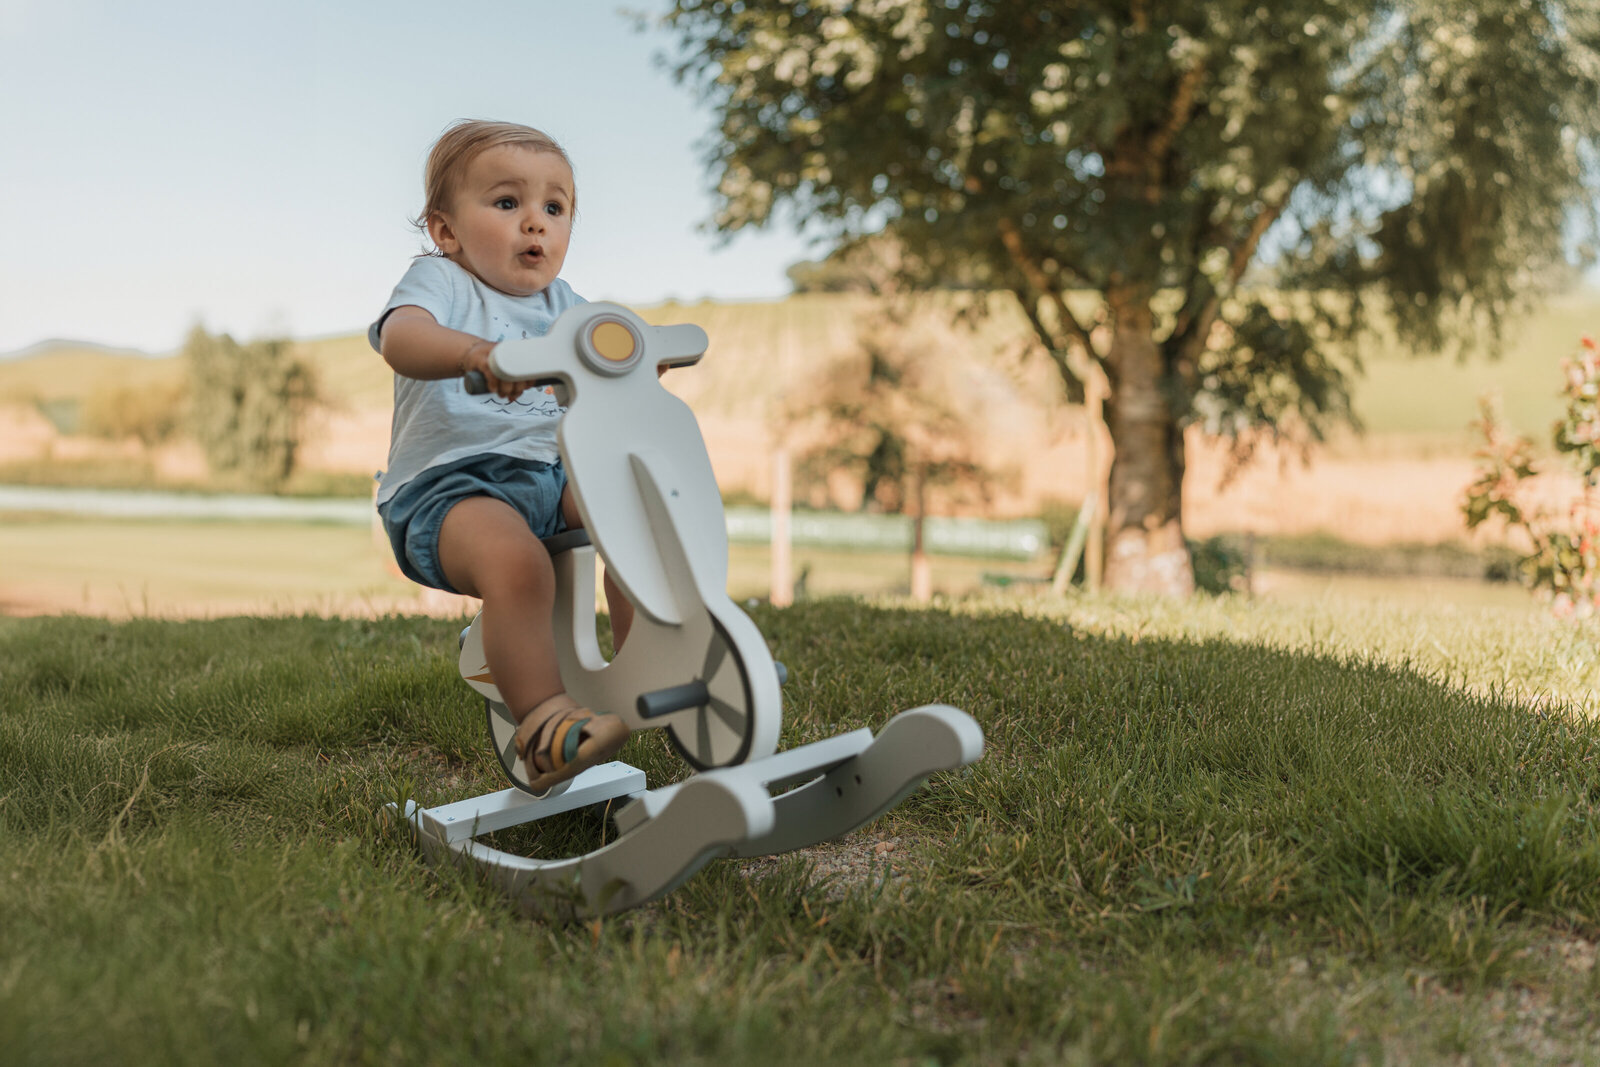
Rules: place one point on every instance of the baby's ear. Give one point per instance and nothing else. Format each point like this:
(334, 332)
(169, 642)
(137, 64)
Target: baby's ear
(442, 236)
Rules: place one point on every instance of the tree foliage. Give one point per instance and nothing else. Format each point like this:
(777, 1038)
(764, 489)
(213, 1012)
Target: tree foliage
(151, 413)
(1429, 159)
(247, 405)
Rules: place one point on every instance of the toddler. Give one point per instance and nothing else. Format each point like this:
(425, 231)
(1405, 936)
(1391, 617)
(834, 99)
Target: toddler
(474, 481)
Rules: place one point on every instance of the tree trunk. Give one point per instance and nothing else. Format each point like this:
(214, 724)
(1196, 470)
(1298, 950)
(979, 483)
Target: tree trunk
(921, 571)
(782, 576)
(1145, 547)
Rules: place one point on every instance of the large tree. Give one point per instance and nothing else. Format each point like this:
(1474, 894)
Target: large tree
(1240, 185)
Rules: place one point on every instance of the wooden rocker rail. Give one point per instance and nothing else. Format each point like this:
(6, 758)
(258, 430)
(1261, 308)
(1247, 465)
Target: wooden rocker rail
(668, 834)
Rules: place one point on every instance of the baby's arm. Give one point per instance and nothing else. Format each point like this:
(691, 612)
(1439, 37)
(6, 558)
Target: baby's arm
(416, 346)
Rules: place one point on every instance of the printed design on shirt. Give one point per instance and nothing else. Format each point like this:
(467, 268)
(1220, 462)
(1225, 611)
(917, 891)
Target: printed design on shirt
(541, 402)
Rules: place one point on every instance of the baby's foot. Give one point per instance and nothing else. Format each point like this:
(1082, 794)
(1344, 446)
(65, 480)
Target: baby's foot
(559, 738)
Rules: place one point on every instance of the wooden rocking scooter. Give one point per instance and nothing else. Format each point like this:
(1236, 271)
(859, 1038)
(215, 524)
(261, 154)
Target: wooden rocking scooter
(694, 663)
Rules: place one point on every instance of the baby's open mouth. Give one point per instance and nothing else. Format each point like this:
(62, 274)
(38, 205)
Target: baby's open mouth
(532, 253)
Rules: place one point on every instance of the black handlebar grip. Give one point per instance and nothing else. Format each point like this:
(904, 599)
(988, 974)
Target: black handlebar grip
(475, 383)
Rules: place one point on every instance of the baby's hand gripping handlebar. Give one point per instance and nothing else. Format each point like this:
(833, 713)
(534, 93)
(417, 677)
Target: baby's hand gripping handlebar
(475, 383)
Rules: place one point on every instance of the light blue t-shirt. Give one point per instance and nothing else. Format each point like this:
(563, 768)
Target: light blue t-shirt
(439, 421)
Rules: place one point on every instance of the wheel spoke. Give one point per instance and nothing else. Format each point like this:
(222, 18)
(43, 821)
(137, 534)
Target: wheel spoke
(714, 657)
(731, 716)
(703, 732)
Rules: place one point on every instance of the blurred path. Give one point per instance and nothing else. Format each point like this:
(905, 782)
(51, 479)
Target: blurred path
(146, 504)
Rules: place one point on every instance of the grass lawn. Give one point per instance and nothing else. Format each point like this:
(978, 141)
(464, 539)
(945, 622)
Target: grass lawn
(1223, 831)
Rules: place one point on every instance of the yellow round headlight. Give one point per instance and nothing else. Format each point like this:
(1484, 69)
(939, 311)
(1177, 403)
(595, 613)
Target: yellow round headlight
(613, 341)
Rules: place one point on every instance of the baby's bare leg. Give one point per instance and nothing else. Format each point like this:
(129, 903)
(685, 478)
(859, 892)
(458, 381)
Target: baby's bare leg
(487, 551)
(618, 606)
(620, 609)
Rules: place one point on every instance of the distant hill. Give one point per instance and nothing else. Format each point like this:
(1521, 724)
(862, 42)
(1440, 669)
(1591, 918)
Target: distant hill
(57, 346)
(61, 371)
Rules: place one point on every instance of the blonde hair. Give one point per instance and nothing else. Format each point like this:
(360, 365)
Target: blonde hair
(463, 142)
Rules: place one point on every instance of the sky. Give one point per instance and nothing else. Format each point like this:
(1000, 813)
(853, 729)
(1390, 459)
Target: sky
(253, 167)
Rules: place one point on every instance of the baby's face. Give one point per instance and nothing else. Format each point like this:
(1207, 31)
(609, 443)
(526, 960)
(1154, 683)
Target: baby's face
(510, 219)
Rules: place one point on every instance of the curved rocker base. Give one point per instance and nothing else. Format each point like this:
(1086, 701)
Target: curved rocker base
(668, 834)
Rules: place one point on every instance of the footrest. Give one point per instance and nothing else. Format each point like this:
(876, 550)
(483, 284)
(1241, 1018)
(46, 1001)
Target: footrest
(513, 807)
(704, 821)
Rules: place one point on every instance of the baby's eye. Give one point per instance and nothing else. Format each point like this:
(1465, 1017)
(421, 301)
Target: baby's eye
(506, 203)
(553, 208)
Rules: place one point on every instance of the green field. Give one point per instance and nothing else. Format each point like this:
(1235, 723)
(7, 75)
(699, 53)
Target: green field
(1216, 832)
(1422, 395)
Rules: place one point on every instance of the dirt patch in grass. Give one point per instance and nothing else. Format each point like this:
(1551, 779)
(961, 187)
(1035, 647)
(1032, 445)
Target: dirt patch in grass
(1553, 1022)
(850, 864)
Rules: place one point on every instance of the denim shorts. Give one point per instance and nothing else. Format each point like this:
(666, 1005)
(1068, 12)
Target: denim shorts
(413, 516)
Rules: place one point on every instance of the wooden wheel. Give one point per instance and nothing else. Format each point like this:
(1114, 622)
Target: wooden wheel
(718, 732)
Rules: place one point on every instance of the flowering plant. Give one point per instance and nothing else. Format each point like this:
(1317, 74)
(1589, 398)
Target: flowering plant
(1564, 557)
